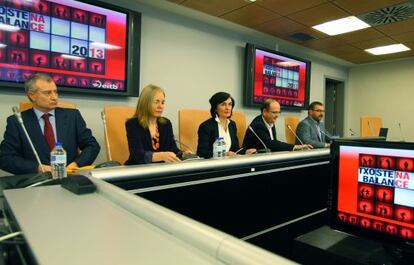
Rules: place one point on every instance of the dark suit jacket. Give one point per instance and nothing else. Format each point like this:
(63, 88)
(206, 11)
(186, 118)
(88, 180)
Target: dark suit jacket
(16, 155)
(207, 134)
(308, 133)
(251, 141)
(140, 144)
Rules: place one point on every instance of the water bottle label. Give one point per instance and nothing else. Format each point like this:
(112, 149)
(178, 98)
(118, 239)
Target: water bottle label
(59, 159)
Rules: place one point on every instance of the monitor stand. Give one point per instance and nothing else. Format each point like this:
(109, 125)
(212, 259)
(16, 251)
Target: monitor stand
(327, 246)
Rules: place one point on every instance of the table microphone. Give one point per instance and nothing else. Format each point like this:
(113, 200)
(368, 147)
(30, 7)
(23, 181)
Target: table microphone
(257, 136)
(324, 133)
(18, 116)
(297, 137)
(103, 117)
(185, 156)
(401, 132)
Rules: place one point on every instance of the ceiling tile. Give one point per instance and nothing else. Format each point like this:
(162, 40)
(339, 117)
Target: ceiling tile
(364, 59)
(326, 43)
(176, 1)
(405, 37)
(398, 55)
(251, 15)
(285, 7)
(374, 43)
(346, 50)
(361, 35)
(397, 27)
(319, 14)
(357, 7)
(215, 7)
(280, 26)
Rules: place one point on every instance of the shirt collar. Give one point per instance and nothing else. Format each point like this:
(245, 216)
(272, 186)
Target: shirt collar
(315, 121)
(269, 126)
(218, 120)
(39, 114)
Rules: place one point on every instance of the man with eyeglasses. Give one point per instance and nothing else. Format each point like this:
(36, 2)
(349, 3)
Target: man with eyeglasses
(264, 126)
(46, 125)
(311, 129)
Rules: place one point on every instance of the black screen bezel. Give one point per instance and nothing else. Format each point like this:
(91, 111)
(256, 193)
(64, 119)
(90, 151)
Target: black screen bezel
(333, 192)
(250, 59)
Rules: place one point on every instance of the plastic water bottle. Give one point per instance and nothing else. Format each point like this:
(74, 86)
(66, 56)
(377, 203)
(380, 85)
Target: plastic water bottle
(217, 148)
(223, 147)
(58, 161)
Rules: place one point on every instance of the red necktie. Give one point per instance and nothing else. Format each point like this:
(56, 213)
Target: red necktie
(48, 132)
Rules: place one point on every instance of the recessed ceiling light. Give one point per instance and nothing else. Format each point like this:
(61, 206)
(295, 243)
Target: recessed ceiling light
(342, 25)
(388, 49)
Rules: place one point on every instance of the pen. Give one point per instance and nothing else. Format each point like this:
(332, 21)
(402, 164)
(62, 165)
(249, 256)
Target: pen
(239, 150)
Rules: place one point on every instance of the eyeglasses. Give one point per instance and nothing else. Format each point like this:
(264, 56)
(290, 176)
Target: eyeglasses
(319, 110)
(275, 112)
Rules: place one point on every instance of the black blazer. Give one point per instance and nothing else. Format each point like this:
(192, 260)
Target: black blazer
(140, 145)
(16, 155)
(207, 134)
(251, 141)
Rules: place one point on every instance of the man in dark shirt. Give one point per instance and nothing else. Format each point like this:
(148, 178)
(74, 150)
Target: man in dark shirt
(46, 125)
(264, 126)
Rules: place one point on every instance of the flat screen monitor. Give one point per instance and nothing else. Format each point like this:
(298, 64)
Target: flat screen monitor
(372, 191)
(272, 74)
(86, 46)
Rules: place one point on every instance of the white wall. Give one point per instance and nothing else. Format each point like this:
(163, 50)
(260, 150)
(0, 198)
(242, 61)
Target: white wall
(384, 89)
(191, 60)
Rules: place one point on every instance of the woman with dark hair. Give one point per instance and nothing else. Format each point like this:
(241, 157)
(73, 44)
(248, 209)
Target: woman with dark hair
(150, 136)
(219, 125)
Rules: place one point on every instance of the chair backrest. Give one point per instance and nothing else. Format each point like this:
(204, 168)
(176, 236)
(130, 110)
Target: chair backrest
(116, 116)
(190, 119)
(293, 122)
(25, 105)
(370, 125)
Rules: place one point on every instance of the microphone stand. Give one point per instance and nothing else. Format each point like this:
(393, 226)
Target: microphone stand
(296, 136)
(185, 156)
(108, 147)
(267, 150)
(18, 116)
(401, 132)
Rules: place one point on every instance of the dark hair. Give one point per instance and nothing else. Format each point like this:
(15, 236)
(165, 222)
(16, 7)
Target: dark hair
(266, 104)
(219, 98)
(313, 104)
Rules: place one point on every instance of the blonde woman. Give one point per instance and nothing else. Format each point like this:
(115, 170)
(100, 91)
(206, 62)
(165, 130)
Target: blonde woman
(150, 136)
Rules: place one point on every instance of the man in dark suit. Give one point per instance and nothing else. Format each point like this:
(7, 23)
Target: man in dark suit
(311, 130)
(264, 126)
(46, 125)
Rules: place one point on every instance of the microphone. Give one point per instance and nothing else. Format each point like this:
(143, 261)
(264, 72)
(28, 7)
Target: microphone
(401, 132)
(185, 156)
(352, 132)
(257, 136)
(19, 118)
(110, 162)
(108, 147)
(324, 133)
(296, 136)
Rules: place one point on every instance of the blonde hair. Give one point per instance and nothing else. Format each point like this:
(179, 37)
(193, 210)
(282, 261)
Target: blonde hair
(144, 105)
